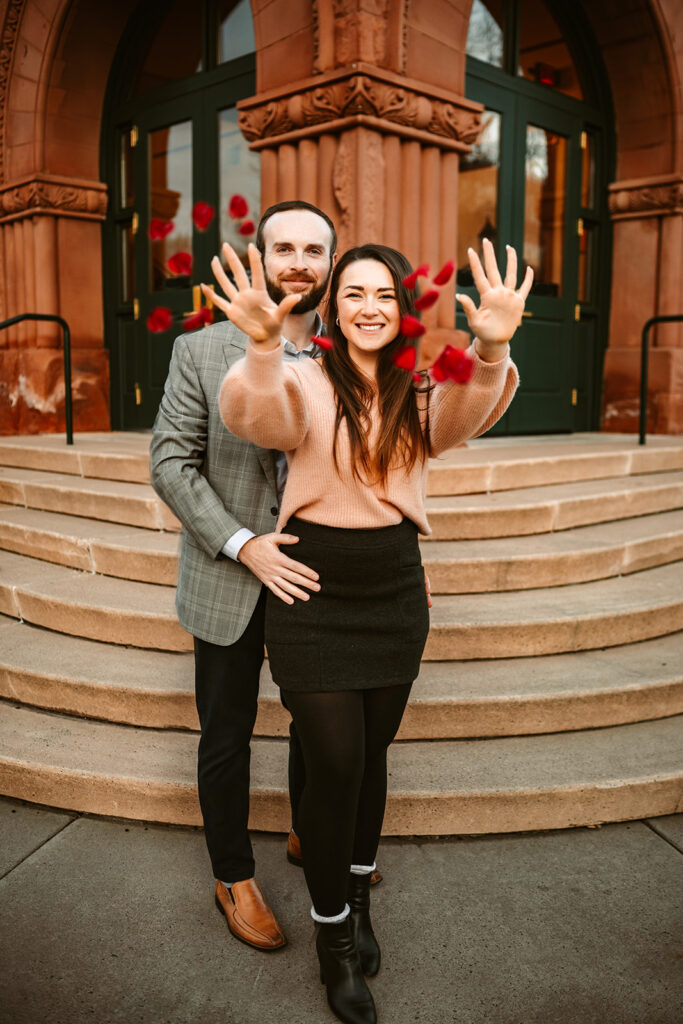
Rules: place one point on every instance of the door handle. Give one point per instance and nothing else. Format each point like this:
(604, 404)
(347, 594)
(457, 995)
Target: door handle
(527, 313)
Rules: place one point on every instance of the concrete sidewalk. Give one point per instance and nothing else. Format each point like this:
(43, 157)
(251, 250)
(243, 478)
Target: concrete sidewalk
(106, 921)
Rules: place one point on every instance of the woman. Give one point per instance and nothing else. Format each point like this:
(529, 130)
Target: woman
(358, 432)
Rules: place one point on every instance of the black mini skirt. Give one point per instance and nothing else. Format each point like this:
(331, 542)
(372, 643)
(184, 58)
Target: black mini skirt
(367, 625)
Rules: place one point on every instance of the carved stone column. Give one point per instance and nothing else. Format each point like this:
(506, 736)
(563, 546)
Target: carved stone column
(49, 231)
(377, 151)
(646, 281)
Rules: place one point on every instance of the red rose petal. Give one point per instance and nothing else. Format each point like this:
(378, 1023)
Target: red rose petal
(247, 228)
(428, 299)
(321, 341)
(238, 207)
(160, 319)
(180, 263)
(159, 228)
(202, 215)
(411, 280)
(417, 377)
(445, 274)
(199, 319)
(411, 327)
(453, 364)
(406, 357)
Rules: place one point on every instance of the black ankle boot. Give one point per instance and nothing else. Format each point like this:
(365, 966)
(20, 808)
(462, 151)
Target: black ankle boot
(348, 995)
(361, 926)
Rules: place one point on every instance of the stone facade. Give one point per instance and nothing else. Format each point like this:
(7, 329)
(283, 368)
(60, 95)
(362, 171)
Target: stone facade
(360, 108)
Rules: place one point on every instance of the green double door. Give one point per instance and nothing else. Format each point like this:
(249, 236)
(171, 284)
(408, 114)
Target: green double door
(170, 156)
(532, 180)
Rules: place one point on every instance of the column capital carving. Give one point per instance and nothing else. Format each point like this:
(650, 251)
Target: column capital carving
(8, 38)
(48, 194)
(646, 197)
(360, 95)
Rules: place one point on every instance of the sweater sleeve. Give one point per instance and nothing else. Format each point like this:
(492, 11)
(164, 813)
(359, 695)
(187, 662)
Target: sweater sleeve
(262, 400)
(458, 412)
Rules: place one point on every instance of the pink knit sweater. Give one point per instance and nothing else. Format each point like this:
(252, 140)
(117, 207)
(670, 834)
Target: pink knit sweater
(291, 407)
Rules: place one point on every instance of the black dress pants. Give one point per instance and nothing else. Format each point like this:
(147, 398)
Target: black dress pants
(226, 690)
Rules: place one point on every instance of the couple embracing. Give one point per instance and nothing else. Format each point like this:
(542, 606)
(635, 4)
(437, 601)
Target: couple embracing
(314, 552)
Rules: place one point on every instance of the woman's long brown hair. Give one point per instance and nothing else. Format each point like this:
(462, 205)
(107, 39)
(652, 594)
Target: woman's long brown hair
(402, 439)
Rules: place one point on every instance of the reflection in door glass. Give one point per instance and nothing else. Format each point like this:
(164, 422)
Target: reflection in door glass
(587, 168)
(170, 155)
(544, 57)
(235, 30)
(126, 194)
(478, 194)
(239, 170)
(586, 243)
(485, 32)
(127, 257)
(544, 208)
(176, 50)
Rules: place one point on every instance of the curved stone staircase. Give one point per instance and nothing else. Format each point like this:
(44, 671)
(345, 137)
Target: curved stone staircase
(551, 692)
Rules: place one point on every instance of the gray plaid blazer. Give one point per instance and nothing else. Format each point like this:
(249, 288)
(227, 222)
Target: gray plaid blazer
(213, 481)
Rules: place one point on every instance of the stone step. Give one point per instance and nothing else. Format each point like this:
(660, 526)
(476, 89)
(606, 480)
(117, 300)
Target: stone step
(454, 567)
(450, 700)
(535, 510)
(500, 464)
(549, 620)
(485, 464)
(92, 545)
(111, 500)
(446, 787)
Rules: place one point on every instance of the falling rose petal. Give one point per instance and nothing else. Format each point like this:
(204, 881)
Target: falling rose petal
(417, 377)
(321, 341)
(247, 228)
(428, 299)
(159, 228)
(453, 364)
(445, 274)
(202, 215)
(411, 327)
(406, 357)
(238, 207)
(180, 263)
(160, 319)
(411, 280)
(199, 319)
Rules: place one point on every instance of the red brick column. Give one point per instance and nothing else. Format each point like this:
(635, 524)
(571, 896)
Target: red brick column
(377, 151)
(646, 281)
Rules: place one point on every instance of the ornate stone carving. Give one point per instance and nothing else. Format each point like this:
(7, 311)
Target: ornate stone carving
(10, 30)
(646, 198)
(354, 95)
(58, 196)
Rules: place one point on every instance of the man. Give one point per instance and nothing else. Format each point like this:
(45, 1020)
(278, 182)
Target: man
(225, 492)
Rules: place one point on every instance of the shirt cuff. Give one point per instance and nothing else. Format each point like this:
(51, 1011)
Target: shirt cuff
(234, 544)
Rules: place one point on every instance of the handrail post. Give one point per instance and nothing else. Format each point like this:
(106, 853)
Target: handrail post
(66, 334)
(644, 353)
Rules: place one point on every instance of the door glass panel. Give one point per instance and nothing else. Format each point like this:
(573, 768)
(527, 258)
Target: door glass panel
(485, 32)
(127, 257)
(170, 199)
(586, 244)
(126, 194)
(235, 30)
(478, 194)
(176, 51)
(544, 208)
(587, 169)
(544, 56)
(239, 170)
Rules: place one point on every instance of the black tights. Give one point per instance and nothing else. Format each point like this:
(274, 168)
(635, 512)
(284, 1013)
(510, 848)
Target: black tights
(344, 737)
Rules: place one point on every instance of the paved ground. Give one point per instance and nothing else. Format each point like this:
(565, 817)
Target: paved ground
(107, 921)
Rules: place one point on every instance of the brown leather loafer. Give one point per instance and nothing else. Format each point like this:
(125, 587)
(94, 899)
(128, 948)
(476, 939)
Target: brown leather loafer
(249, 917)
(294, 857)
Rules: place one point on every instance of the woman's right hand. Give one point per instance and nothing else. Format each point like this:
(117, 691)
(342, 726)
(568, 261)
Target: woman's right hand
(248, 304)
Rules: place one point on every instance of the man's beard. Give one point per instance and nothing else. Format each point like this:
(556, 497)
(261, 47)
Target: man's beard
(308, 301)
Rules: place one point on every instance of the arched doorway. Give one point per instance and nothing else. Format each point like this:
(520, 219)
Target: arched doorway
(537, 178)
(170, 140)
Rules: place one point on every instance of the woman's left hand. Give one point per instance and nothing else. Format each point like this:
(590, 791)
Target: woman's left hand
(501, 304)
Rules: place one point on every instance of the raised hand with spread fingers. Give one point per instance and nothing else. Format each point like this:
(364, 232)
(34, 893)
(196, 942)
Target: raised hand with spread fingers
(501, 304)
(248, 304)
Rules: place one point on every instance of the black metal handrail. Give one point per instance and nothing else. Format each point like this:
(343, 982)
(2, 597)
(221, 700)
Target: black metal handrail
(53, 318)
(644, 352)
